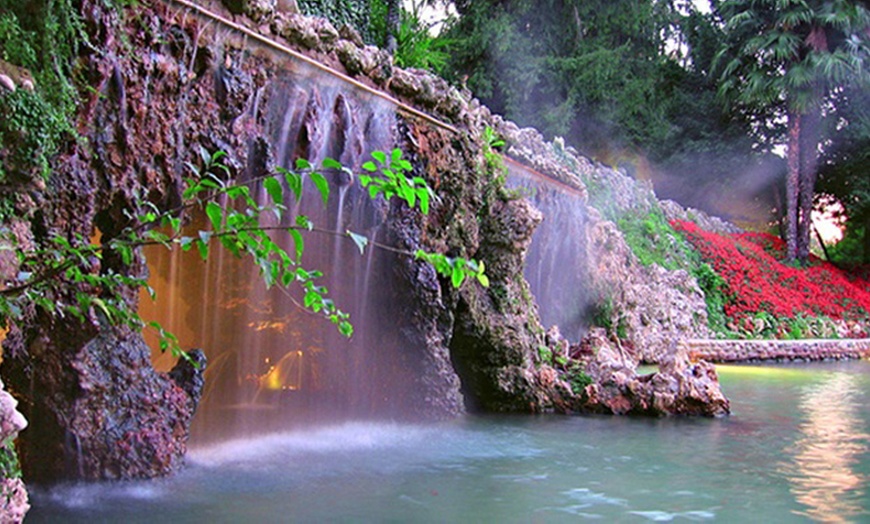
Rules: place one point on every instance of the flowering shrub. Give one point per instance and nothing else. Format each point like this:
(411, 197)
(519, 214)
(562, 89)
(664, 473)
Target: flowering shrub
(756, 282)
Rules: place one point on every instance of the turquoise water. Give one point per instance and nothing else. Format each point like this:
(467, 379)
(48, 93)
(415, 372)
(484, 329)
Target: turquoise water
(797, 448)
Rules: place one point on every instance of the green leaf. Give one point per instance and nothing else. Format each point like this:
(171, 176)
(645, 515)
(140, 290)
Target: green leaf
(101, 305)
(304, 222)
(360, 241)
(215, 214)
(209, 183)
(380, 156)
(370, 167)
(302, 164)
(322, 186)
(294, 182)
(345, 328)
(483, 279)
(273, 187)
(202, 244)
(157, 236)
(457, 277)
(424, 200)
(397, 155)
(298, 243)
(204, 155)
(237, 191)
(331, 163)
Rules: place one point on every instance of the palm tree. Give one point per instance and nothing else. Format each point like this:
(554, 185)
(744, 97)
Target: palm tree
(782, 60)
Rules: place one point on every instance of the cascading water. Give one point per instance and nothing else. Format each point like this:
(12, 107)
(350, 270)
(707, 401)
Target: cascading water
(556, 264)
(271, 363)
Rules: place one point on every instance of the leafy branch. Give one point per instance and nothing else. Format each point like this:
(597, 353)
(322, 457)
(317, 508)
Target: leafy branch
(237, 221)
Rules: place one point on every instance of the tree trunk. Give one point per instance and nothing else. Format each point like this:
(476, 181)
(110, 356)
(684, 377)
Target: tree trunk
(809, 161)
(810, 136)
(792, 183)
(393, 22)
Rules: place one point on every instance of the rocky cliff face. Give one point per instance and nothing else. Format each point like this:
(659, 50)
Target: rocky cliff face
(176, 83)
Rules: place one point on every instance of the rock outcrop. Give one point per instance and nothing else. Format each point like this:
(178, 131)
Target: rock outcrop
(679, 387)
(650, 307)
(13, 494)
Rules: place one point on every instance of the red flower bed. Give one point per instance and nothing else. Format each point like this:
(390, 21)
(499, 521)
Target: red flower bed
(756, 281)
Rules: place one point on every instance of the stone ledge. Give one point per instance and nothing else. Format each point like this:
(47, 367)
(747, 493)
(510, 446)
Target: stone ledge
(782, 350)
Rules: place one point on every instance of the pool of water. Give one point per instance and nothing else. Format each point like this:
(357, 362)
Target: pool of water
(797, 448)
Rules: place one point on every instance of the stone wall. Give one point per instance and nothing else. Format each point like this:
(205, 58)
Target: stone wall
(779, 350)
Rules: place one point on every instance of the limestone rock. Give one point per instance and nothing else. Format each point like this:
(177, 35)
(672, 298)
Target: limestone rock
(13, 501)
(651, 307)
(349, 33)
(674, 211)
(678, 388)
(13, 76)
(295, 29)
(260, 11)
(11, 420)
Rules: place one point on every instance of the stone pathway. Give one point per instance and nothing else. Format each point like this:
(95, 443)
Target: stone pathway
(780, 350)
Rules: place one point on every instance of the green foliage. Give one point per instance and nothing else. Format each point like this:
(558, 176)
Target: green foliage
(603, 74)
(9, 465)
(394, 181)
(416, 46)
(364, 15)
(456, 269)
(602, 314)
(764, 325)
(578, 379)
(713, 287)
(39, 40)
(62, 278)
(545, 355)
(849, 251)
(653, 240)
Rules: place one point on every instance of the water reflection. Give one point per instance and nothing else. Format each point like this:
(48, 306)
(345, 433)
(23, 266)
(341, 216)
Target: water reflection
(822, 471)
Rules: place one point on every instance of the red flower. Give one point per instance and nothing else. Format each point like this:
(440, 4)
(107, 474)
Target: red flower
(756, 281)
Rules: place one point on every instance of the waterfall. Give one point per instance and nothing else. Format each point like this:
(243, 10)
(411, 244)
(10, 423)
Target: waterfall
(273, 365)
(556, 264)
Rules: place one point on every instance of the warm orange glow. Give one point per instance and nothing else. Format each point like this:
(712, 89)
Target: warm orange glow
(822, 472)
(265, 325)
(285, 375)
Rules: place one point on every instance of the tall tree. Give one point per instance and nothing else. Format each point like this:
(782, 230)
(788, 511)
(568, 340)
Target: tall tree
(568, 67)
(783, 59)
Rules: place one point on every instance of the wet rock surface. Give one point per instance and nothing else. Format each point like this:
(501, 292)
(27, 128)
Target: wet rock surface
(175, 86)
